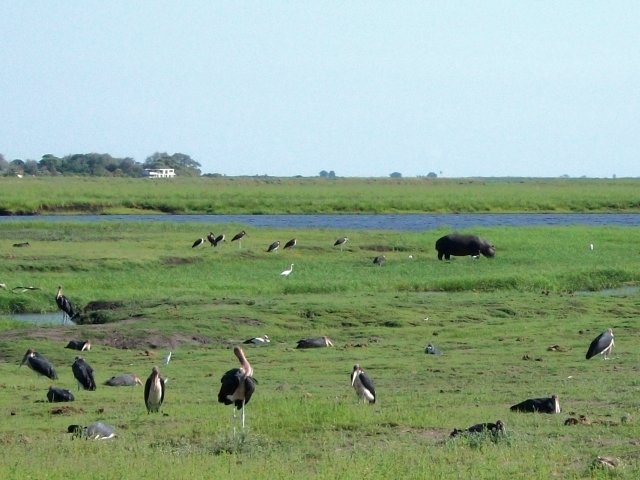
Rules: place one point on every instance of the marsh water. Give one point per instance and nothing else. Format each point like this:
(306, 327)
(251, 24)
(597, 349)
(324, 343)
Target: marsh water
(38, 318)
(397, 222)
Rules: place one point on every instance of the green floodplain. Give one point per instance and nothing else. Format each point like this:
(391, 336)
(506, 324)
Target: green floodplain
(513, 327)
(264, 195)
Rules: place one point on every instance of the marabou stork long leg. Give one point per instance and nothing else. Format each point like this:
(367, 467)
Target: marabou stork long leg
(233, 420)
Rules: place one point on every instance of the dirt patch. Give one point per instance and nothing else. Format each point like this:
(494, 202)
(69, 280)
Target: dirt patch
(66, 410)
(115, 335)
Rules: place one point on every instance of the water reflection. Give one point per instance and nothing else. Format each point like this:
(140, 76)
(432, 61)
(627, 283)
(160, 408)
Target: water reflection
(38, 318)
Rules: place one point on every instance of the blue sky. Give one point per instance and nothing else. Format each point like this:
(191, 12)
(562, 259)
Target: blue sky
(364, 88)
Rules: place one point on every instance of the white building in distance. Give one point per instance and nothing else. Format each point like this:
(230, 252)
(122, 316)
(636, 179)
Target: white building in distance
(159, 172)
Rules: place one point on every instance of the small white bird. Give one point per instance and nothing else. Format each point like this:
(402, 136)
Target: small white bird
(167, 359)
(591, 247)
(287, 272)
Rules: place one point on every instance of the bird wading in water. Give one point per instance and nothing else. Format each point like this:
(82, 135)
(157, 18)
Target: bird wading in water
(68, 310)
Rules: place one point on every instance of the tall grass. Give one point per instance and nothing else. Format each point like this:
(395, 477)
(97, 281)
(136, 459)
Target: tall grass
(260, 195)
(495, 320)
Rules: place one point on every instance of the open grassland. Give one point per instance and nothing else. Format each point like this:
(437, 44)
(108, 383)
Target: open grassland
(495, 320)
(256, 195)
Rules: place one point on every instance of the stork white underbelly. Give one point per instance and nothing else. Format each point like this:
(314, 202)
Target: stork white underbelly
(155, 396)
(362, 390)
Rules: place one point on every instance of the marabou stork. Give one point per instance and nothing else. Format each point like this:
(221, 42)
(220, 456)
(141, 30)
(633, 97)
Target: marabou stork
(56, 394)
(290, 244)
(314, 342)
(263, 340)
(239, 236)
(83, 373)
(39, 364)
(432, 350)
(212, 239)
(541, 405)
(363, 384)
(379, 260)
(287, 272)
(602, 344)
(274, 246)
(341, 241)
(94, 431)
(68, 311)
(198, 243)
(154, 389)
(80, 345)
(126, 380)
(238, 384)
(219, 239)
(493, 428)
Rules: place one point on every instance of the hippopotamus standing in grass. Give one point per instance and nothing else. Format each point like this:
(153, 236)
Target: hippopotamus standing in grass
(463, 245)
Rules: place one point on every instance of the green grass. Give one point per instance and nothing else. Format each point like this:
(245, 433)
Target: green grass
(264, 195)
(493, 318)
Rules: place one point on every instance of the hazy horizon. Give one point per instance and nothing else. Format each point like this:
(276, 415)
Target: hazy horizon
(463, 89)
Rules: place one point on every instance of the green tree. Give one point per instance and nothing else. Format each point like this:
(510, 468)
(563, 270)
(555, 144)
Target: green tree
(183, 164)
(50, 163)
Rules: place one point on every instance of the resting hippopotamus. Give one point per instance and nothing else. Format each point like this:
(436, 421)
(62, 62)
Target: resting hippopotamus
(462, 245)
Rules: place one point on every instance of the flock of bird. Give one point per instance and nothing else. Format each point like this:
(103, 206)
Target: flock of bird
(215, 240)
(238, 384)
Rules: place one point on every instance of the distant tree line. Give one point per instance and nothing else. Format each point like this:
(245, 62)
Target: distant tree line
(99, 165)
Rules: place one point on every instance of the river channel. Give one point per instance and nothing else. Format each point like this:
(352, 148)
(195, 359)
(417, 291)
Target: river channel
(399, 222)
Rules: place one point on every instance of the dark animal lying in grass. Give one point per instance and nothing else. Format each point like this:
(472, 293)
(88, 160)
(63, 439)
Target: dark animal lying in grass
(80, 345)
(93, 431)
(56, 394)
(493, 428)
(126, 380)
(315, 342)
(541, 405)
(432, 350)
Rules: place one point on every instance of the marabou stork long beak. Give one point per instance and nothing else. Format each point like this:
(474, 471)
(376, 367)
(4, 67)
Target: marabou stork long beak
(24, 359)
(354, 374)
